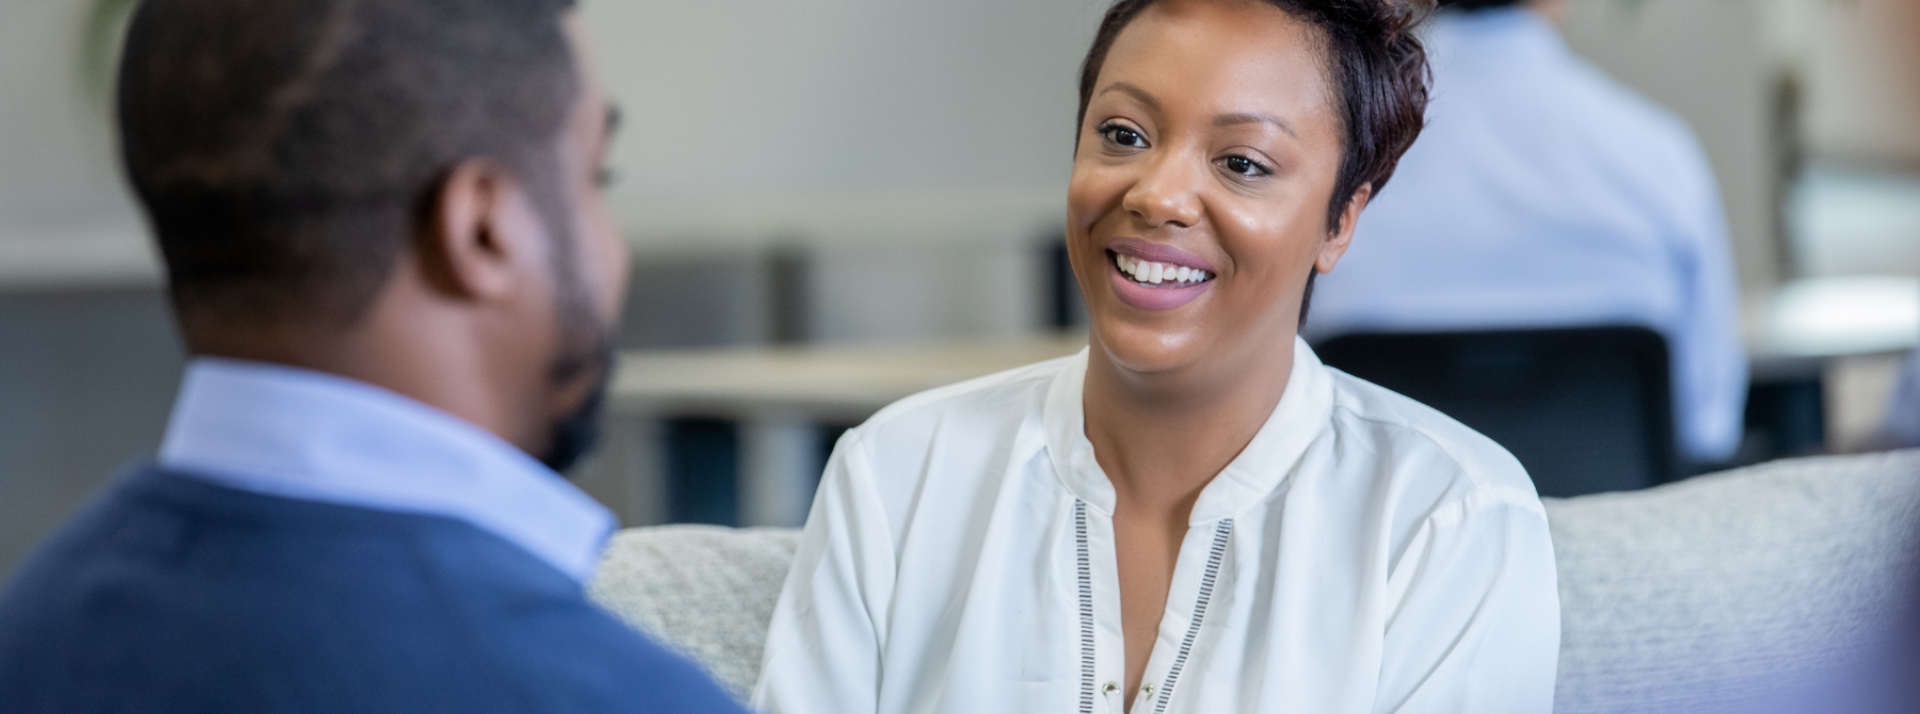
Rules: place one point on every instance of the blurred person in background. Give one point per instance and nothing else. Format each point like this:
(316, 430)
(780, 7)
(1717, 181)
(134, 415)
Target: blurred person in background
(387, 253)
(1901, 430)
(1194, 515)
(1545, 194)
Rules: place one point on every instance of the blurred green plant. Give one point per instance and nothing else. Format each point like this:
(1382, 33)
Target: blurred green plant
(100, 43)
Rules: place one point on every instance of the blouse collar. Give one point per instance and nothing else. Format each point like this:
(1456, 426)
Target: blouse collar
(1303, 412)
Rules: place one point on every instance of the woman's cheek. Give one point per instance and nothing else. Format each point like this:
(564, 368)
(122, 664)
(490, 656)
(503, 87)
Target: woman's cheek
(1091, 194)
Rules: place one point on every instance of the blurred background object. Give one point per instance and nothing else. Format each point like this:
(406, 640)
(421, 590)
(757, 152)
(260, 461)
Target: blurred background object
(1542, 196)
(863, 173)
(1585, 409)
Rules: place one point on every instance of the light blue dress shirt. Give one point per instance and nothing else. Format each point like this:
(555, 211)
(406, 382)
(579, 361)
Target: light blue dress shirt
(1544, 194)
(298, 433)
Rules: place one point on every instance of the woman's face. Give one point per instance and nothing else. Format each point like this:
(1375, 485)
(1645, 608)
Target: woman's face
(1198, 203)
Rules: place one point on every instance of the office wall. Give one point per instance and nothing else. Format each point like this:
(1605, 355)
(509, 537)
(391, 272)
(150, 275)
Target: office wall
(839, 121)
(1711, 62)
(1860, 60)
(768, 116)
(56, 165)
(917, 151)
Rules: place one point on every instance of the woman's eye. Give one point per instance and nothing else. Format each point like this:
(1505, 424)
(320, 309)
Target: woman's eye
(1123, 136)
(1244, 166)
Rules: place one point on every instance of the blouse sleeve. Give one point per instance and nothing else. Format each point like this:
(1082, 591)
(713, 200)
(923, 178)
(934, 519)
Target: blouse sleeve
(1478, 623)
(824, 643)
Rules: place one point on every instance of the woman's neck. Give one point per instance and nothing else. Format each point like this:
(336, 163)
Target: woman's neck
(1161, 437)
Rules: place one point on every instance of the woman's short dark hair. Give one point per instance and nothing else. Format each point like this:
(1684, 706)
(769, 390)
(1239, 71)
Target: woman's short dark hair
(1376, 64)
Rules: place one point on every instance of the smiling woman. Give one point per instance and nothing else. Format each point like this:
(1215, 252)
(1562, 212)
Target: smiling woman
(1194, 515)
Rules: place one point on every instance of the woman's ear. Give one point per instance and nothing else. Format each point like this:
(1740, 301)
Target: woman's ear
(471, 246)
(1342, 235)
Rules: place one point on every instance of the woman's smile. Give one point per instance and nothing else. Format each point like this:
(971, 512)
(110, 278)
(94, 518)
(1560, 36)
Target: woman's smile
(1150, 276)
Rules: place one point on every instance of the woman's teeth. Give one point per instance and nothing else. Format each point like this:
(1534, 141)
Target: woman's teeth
(1145, 271)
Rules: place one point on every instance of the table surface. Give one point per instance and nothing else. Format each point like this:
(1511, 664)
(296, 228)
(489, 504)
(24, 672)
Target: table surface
(835, 381)
(1835, 317)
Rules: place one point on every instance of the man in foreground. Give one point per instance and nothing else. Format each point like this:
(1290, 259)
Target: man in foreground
(387, 252)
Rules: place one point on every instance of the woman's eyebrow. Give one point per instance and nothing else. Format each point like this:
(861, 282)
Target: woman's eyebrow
(1135, 92)
(1255, 118)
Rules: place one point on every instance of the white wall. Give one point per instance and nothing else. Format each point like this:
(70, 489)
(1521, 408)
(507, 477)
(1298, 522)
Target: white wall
(920, 148)
(862, 122)
(55, 163)
(767, 115)
(1710, 61)
(63, 213)
(1861, 63)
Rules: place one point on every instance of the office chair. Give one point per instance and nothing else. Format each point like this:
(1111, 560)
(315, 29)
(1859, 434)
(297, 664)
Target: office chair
(1586, 409)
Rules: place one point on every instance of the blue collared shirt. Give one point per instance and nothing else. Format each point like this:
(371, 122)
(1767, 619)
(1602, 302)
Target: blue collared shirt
(302, 434)
(1542, 194)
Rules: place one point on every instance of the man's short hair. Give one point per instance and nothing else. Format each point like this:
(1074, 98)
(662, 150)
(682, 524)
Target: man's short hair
(285, 150)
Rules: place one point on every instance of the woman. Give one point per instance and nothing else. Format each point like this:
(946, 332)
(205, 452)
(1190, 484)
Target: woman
(1193, 515)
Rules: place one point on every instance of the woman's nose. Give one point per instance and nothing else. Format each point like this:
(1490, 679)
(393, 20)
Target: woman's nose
(1168, 192)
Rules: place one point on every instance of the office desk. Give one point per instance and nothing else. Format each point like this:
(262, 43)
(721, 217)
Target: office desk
(1820, 350)
(778, 396)
(1824, 318)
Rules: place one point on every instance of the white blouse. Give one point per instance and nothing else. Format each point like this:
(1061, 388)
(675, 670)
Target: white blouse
(1363, 554)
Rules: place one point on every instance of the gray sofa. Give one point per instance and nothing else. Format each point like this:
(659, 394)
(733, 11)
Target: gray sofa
(1702, 591)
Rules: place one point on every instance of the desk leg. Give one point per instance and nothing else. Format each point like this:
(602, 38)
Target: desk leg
(779, 458)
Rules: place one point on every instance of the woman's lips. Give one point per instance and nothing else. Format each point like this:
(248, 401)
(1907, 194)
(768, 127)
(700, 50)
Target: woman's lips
(1154, 285)
(1138, 249)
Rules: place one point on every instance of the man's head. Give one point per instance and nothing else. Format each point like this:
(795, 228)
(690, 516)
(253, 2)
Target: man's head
(400, 191)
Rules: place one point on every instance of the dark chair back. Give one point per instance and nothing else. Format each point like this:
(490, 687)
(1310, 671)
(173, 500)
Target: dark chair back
(1586, 410)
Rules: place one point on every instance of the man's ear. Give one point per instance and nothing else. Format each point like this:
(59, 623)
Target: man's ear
(1342, 236)
(473, 247)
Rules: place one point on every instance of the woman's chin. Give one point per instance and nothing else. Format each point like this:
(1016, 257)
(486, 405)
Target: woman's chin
(1147, 349)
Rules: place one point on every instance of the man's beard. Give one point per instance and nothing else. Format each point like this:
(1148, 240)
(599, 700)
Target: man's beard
(575, 434)
(586, 352)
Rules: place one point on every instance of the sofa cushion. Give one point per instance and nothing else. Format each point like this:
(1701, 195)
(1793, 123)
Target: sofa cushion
(1671, 598)
(705, 591)
(1733, 585)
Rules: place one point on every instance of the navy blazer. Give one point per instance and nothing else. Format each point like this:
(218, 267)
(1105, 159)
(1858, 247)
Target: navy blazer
(172, 594)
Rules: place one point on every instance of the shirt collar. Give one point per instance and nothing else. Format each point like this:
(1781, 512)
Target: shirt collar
(1303, 412)
(309, 435)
